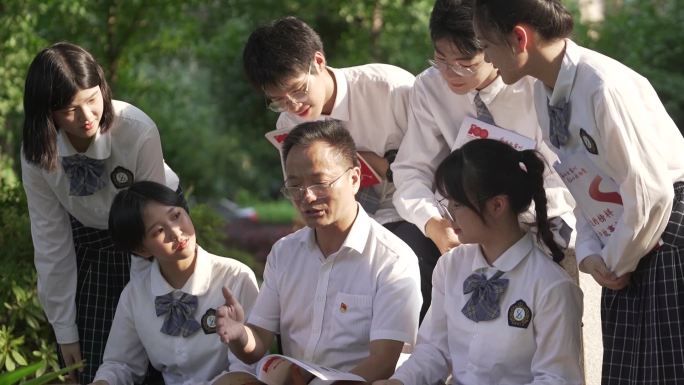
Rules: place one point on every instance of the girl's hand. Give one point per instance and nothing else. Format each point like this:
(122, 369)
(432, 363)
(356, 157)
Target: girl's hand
(71, 354)
(230, 319)
(596, 266)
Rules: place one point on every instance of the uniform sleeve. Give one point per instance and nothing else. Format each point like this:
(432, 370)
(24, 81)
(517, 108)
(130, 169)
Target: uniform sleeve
(266, 310)
(429, 361)
(54, 254)
(246, 291)
(560, 202)
(150, 166)
(639, 169)
(125, 360)
(397, 300)
(399, 98)
(421, 151)
(587, 243)
(557, 325)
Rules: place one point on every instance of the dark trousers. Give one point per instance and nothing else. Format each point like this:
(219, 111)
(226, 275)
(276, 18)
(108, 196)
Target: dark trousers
(427, 253)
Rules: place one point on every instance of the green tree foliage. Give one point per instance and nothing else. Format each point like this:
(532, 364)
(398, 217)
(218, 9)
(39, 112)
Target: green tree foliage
(646, 36)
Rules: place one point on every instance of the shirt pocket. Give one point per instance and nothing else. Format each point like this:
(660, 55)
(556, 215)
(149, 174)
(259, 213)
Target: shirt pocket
(352, 316)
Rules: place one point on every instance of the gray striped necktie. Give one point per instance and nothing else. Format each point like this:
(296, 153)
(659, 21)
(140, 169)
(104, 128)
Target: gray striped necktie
(483, 113)
(559, 119)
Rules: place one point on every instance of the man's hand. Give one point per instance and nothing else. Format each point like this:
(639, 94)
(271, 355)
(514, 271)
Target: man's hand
(441, 231)
(296, 376)
(595, 266)
(230, 319)
(71, 354)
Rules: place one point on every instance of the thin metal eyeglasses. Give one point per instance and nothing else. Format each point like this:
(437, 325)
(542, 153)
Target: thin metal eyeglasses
(319, 190)
(443, 206)
(282, 104)
(456, 68)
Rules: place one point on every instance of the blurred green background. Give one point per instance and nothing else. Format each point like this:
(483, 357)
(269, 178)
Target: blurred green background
(180, 62)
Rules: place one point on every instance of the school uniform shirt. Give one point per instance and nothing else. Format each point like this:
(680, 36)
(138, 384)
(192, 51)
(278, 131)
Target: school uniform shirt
(328, 310)
(130, 148)
(621, 125)
(535, 340)
(372, 101)
(435, 116)
(136, 337)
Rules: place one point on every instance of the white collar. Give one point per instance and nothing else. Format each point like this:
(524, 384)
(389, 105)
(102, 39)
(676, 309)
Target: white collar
(488, 93)
(100, 147)
(566, 76)
(197, 284)
(509, 259)
(340, 109)
(356, 239)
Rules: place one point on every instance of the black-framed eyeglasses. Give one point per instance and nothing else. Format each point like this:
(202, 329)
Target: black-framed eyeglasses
(456, 68)
(282, 104)
(319, 190)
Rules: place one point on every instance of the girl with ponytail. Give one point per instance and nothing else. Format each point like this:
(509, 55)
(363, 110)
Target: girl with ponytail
(502, 311)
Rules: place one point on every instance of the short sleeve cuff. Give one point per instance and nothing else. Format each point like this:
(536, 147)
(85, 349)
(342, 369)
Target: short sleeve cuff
(393, 336)
(271, 326)
(585, 249)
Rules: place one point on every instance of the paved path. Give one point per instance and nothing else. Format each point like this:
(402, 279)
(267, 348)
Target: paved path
(591, 331)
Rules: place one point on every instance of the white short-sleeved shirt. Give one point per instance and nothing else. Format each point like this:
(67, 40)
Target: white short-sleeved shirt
(372, 101)
(136, 338)
(539, 295)
(132, 143)
(636, 143)
(435, 116)
(328, 310)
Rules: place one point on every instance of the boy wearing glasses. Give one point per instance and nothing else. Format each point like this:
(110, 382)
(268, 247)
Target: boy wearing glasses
(285, 60)
(460, 83)
(343, 292)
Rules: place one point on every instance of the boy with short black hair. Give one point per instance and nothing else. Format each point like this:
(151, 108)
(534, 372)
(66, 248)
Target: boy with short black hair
(285, 60)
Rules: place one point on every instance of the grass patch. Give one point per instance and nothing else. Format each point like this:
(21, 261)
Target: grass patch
(280, 211)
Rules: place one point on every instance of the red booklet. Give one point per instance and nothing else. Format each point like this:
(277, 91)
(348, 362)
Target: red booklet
(368, 176)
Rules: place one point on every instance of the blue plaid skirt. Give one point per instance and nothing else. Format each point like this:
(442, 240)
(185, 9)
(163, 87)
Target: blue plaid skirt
(643, 324)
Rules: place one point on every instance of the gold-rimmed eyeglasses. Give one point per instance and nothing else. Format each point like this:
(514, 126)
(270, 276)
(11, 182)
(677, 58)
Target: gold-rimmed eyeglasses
(282, 103)
(319, 190)
(456, 68)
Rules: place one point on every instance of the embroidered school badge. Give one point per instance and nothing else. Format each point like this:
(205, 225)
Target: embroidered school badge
(588, 142)
(121, 177)
(209, 321)
(519, 315)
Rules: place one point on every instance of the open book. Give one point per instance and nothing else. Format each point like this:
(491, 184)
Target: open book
(275, 369)
(472, 129)
(369, 177)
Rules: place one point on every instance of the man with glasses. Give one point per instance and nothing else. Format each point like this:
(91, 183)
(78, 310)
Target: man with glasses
(343, 292)
(285, 60)
(460, 83)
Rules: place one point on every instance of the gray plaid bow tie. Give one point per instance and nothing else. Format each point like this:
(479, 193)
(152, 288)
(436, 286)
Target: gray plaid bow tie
(178, 312)
(85, 174)
(483, 305)
(559, 119)
(483, 113)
